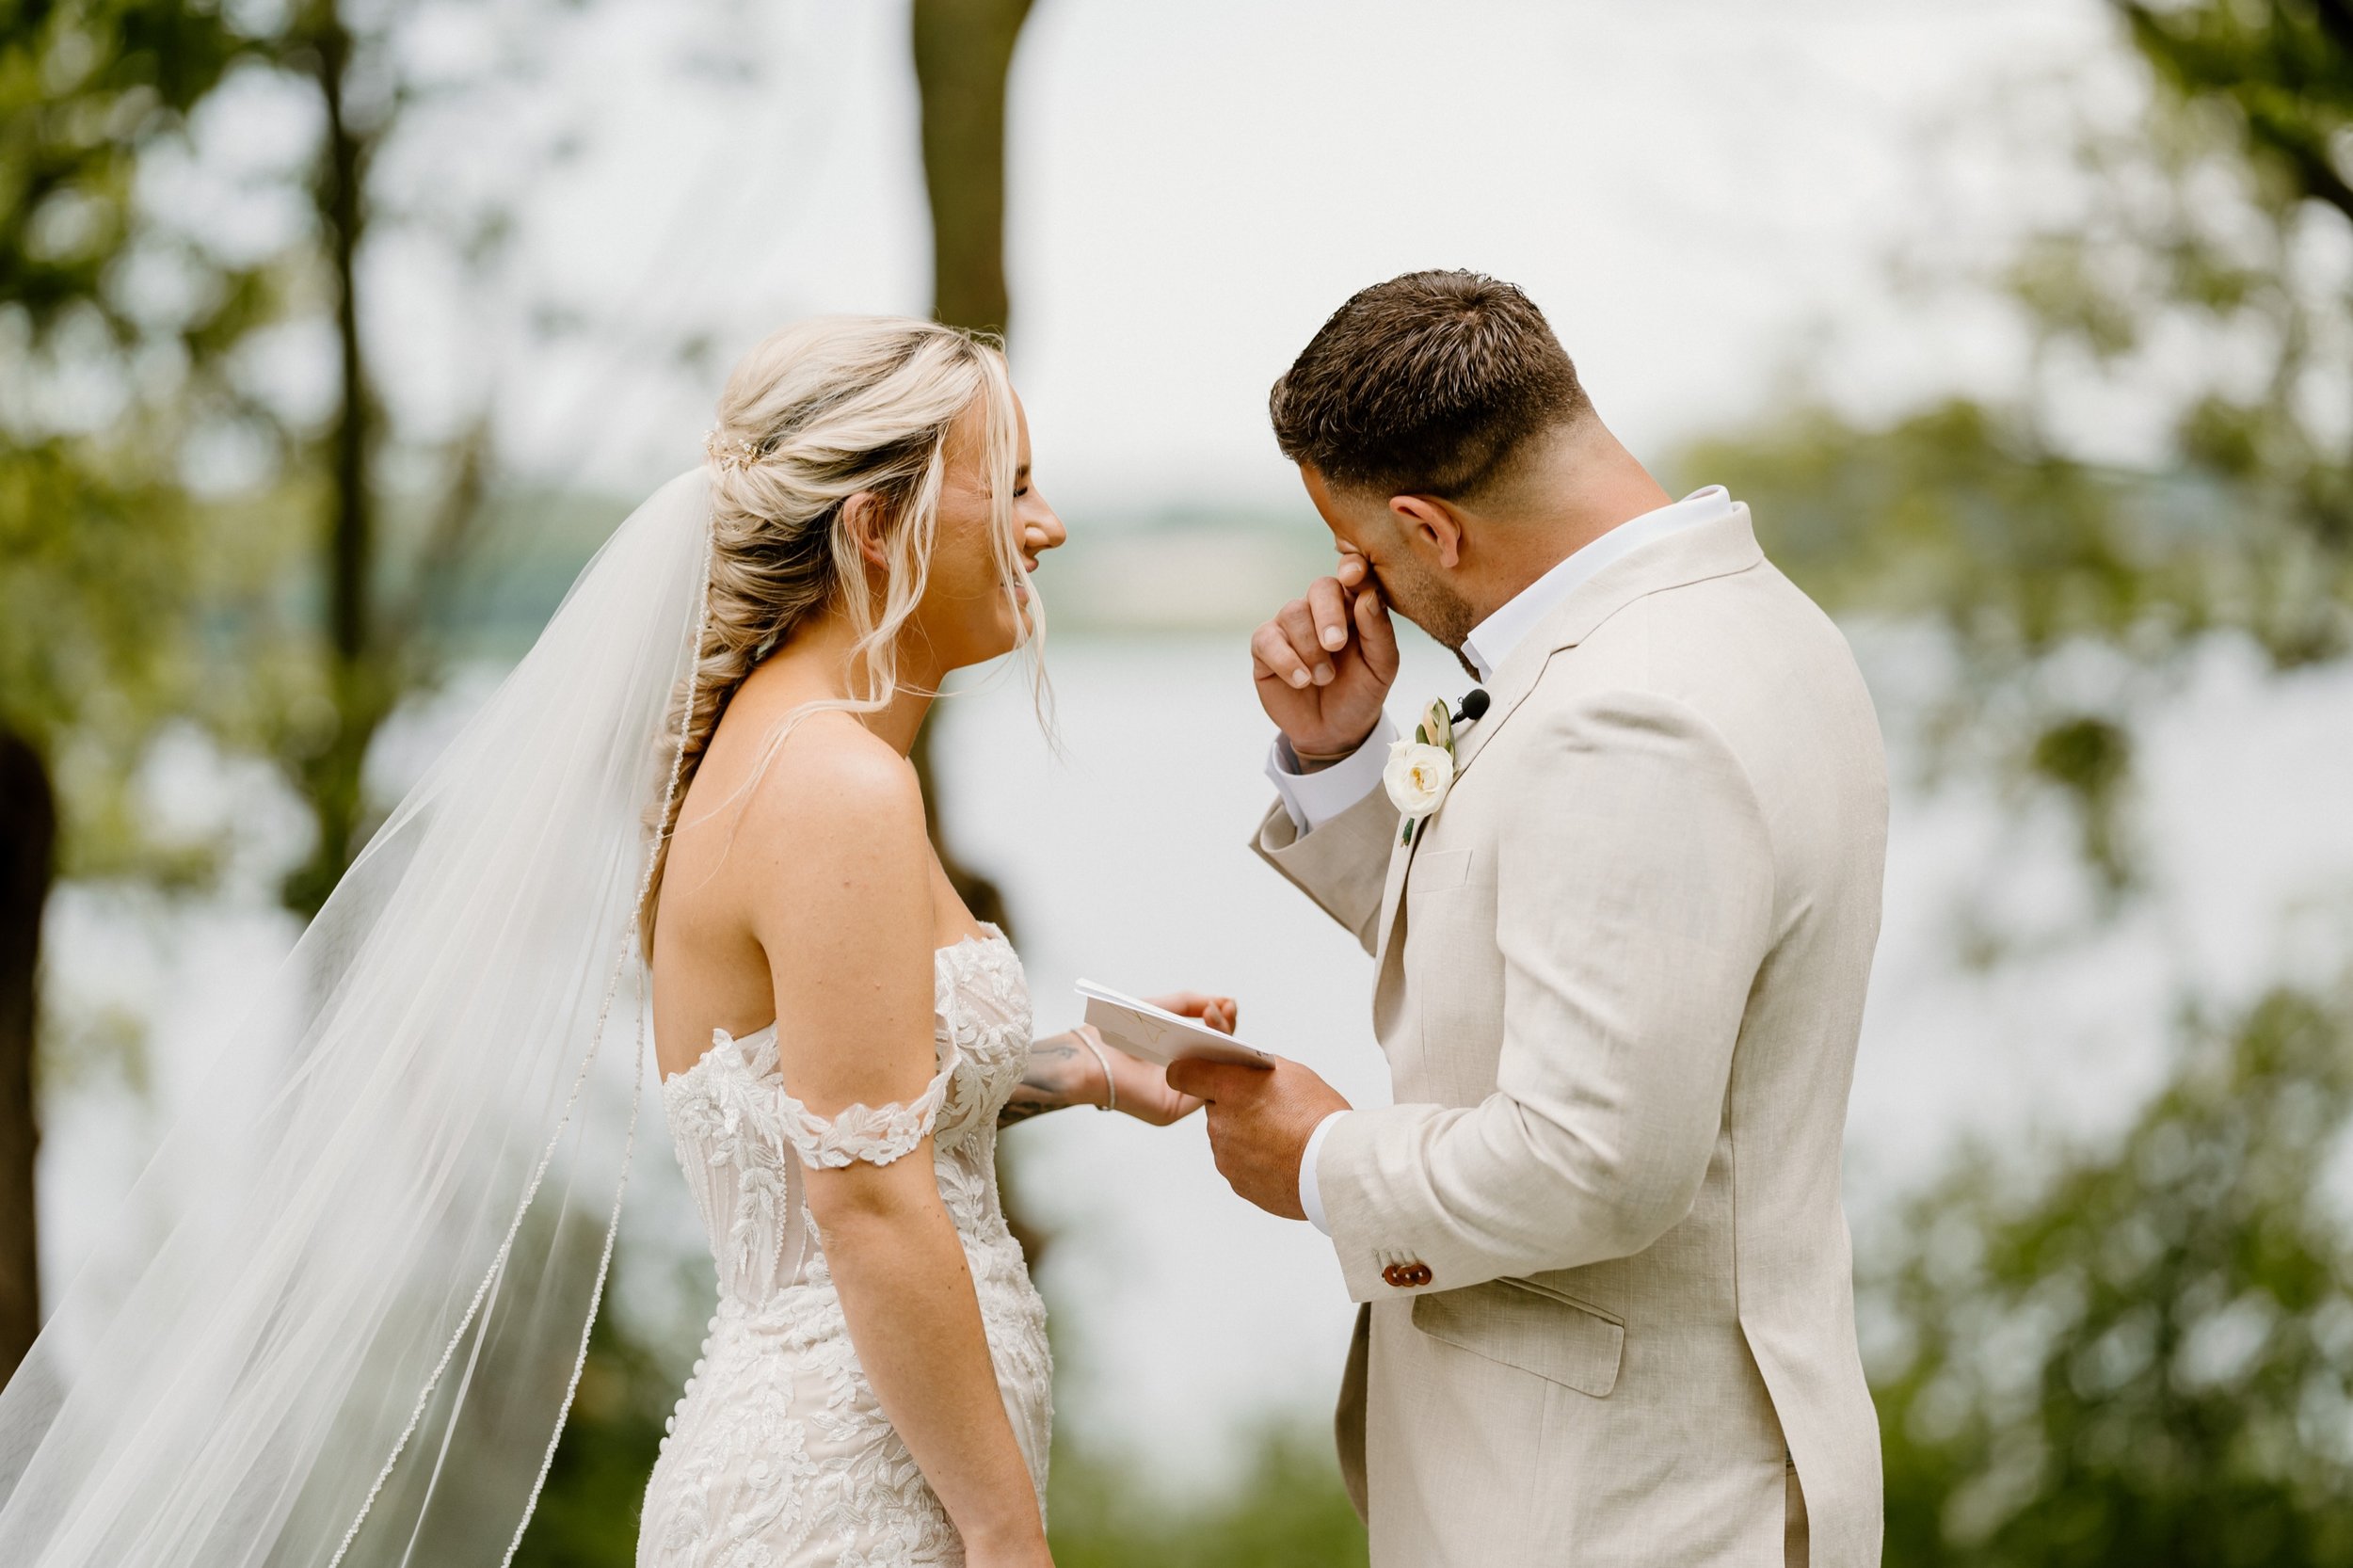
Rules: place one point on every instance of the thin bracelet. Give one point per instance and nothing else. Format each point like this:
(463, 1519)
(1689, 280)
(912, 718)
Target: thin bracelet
(1111, 1090)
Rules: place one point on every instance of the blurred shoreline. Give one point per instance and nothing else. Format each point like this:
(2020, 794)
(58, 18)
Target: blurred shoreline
(1185, 1318)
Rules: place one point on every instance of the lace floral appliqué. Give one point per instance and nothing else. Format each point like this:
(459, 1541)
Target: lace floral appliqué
(877, 1135)
(779, 1455)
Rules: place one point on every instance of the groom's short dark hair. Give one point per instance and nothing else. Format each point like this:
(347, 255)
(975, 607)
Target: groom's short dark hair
(1424, 385)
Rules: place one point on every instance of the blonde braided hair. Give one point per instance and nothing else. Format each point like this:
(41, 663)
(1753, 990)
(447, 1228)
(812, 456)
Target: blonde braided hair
(819, 412)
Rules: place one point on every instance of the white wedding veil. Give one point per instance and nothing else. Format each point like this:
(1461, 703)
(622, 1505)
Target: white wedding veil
(344, 1313)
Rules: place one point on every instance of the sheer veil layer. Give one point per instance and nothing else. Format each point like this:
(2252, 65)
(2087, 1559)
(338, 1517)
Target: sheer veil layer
(343, 1314)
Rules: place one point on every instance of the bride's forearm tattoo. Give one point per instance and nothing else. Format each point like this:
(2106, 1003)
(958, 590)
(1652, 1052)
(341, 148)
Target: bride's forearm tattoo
(1061, 1072)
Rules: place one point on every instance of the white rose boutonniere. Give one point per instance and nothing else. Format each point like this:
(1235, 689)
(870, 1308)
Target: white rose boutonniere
(1422, 770)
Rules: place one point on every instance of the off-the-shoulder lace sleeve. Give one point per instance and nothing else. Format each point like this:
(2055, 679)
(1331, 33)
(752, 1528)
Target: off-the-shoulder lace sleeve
(876, 1134)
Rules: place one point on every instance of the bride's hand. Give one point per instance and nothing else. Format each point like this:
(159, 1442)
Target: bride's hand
(1218, 1013)
(1143, 1091)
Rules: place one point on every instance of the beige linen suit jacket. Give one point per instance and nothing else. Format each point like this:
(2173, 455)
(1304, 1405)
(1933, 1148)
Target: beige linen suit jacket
(1619, 978)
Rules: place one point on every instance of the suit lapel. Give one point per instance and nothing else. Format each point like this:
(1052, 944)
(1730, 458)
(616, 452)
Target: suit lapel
(1714, 548)
(1511, 688)
(1393, 893)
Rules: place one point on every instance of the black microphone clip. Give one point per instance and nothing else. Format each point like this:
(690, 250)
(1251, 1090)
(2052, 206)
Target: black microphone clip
(1475, 703)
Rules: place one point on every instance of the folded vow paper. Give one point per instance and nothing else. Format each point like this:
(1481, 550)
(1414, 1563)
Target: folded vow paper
(1151, 1033)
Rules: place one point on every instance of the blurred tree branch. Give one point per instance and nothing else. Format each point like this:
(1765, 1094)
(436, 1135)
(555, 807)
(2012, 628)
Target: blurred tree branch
(1977, 514)
(2280, 65)
(375, 650)
(362, 684)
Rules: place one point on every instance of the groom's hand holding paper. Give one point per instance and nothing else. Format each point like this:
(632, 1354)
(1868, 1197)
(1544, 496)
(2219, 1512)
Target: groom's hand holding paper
(1259, 1124)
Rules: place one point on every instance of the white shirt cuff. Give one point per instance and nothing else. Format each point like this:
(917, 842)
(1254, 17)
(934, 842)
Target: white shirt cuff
(1310, 1190)
(1314, 798)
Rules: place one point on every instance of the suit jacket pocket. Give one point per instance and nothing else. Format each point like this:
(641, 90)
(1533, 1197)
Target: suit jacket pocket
(1438, 869)
(1530, 1326)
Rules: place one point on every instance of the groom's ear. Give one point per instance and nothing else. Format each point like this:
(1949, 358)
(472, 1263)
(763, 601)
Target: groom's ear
(1434, 524)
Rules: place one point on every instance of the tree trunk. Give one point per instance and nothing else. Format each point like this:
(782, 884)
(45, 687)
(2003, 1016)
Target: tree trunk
(28, 840)
(963, 52)
(338, 203)
(360, 684)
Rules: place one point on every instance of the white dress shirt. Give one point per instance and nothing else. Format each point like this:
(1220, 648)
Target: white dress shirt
(1313, 799)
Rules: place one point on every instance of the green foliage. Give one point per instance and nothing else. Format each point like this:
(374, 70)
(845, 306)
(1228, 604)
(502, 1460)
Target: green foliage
(84, 89)
(2147, 1357)
(103, 658)
(2205, 243)
(1963, 518)
(1978, 514)
(2090, 758)
(143, 603)
(118, 599)
(1965, 515)
(2279, 64)
(587, 1513)
(1289, 1511)
(106, 561)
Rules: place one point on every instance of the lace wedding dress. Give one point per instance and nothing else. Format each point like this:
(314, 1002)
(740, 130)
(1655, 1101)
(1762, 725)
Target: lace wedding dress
(779, 1455)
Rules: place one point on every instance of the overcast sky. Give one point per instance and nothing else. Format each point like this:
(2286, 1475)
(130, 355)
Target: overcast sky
(1704, 195)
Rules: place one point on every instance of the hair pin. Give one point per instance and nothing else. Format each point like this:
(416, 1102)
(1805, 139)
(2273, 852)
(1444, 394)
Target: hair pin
(737, 454)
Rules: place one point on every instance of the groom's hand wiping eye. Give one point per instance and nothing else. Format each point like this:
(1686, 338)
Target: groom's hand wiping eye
(1323, 665)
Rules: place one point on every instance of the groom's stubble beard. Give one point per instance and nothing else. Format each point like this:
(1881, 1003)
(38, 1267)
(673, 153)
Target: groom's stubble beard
(1424, 598)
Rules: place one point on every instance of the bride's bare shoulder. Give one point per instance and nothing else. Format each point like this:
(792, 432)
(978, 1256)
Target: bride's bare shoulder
(833, 794)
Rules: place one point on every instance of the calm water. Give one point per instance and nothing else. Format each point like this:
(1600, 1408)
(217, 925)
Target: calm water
(1182, 1314)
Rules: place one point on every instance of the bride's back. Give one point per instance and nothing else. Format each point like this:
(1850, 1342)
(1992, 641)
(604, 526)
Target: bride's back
(740, 848)
(708, 969)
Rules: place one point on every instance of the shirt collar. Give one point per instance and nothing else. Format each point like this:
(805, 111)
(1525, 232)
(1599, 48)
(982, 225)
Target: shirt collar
(1492, 640)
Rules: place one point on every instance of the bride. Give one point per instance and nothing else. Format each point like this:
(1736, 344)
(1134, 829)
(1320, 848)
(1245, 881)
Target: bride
(839, 1038)
(348, 1307)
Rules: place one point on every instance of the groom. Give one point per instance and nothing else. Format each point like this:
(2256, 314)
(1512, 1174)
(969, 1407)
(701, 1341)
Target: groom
(1621, 940)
